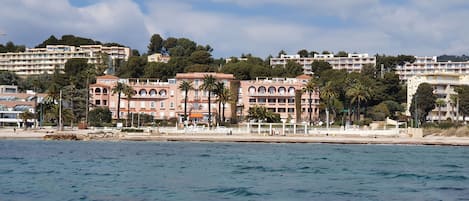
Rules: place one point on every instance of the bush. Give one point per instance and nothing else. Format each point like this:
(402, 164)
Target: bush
(366, 121)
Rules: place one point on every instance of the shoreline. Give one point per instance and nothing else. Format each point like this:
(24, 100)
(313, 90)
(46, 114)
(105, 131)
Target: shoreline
(88, 135)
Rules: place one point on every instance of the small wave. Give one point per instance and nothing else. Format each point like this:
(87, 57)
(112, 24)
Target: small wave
(411, 176)
(239, 191)
(5, 171)
(451, 177)
(204, 155)
(40, 172)
(11, 158)
(451, 189)
(450, 166)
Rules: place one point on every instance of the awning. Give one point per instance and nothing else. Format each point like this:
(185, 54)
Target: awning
(196, 115)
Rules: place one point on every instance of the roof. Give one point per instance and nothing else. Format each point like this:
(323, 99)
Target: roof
(107, 77)
(200, 75)
(99, 85)
(11, 104)
(303, 76)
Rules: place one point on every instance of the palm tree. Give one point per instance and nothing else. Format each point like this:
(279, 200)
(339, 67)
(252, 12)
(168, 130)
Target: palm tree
(224, 97)
(310, 87)
(186, 86)
(328, 94)
(454, 103)
(208, 86)
(119, 88)
(358, 93)
(129, 92)
(439, 103)
(25, 116)
(219, 87)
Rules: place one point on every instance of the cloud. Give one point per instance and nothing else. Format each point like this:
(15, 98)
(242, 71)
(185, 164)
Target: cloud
(261, 27)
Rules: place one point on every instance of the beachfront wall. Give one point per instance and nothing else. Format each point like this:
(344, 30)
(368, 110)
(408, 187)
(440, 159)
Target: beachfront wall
(197, 100)
(278, 95)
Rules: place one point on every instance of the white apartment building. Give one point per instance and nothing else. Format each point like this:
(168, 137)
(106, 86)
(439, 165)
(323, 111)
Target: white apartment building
(157, 57)
(443, 86)
(353, 62)
(35, 61)
(428, 65)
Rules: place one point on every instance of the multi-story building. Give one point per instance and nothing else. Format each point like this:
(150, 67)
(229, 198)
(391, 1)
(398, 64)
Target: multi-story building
(278, 95)
(35, 61)
(351, 63)
(12, 104)
(428, 65)
(157, 57)
(443, 86)
(162, 100)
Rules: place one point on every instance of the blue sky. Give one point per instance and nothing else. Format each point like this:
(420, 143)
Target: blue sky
(260, 27)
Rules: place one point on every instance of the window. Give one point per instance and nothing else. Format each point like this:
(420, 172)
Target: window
(171, 104)
(142, 104)
(142, 92)
(272, 90)
(291, 90)
(171, 93)
(281, 90)
(152, 92)
(261, 100)
(162, 104)
(98, 102)
(104, 102)
(262, 90)
(152, 104)
(271, 100)
(291, 110)
(281, 100)
(132, 104)
(252, 100)
(163, 92)
(281, 110)
(291, 100)
(252, 90)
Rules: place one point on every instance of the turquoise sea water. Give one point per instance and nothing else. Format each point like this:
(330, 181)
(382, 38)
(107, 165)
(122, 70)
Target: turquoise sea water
(64, 170)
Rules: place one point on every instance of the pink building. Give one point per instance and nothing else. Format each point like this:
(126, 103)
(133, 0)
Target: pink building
(162, 100)
(277, 95)
(197, 100)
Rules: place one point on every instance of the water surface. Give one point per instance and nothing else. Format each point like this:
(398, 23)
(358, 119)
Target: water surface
(65, 170)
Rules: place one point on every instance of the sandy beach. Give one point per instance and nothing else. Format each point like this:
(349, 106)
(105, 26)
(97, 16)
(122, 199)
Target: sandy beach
(200, 137)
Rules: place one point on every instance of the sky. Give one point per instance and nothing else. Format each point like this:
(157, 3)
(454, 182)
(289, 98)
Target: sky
(259, 27)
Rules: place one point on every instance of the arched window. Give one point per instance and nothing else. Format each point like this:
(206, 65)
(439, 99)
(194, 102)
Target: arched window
(104, 91)
(291, 90)
(163, 92)
(261, 90)
(97, 90)
(272, 90)
(152, 92)
(252, 90)
(281, 90)
(142, 92)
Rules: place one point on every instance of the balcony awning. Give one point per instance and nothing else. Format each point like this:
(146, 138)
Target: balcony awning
(196, 115)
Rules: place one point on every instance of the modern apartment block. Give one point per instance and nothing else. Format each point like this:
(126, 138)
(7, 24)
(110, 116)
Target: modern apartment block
(12, 104)
(351, 63)
(278, 95)
(164, 100)
(35, 61)
(443, 86)
(428, 65)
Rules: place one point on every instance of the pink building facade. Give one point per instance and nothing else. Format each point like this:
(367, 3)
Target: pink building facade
(278, 95)
(164, 100)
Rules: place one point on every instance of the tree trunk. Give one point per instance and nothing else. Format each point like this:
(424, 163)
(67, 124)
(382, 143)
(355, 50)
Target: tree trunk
(310, 110)
(128, 112)
(219, 111)
(185, 108)
(223, 113)
(209, 112)
(118, 105)
(439, 114)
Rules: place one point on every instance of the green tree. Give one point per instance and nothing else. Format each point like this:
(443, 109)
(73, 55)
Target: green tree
(303, 53)
(261, 113)
(132, 68)
(319, 66)
(341, 54)
(185, 86)
(293, 69)
(156, 43)
(25, 116)
(310, 87)
(463, 99)
(201, 57)
(9, 78)
(440, 103)
(129, 92)
(423, 101)
(328, 94)
(118, 89)
(224, 97)
(358, 93)
(100, 116)
(208, 86)
(159, 70)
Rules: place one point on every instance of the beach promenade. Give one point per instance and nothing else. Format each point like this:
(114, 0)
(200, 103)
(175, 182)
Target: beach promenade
(322, 137)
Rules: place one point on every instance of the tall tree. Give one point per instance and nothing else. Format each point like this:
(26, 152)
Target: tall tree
(358, 93)
(303, 53)
(129, 92)
(440, 103)
(156, 42)
(219, 87)
(423, 101)
(118, 89)
(208, 86)
(310, 87)
(224, 97)
(185, 86)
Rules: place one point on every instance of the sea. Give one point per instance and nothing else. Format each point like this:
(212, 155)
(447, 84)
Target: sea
(115, 171)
